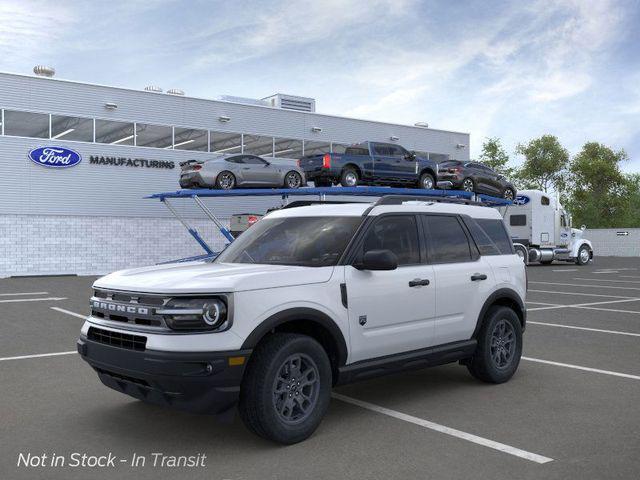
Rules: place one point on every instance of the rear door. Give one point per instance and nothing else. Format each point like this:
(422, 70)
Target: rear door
(462, 278)
(388, 311)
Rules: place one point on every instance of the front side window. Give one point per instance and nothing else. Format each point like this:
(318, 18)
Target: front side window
(301, 241)
(253, 160)
(398, 233)
(447, 239)
(26, 124)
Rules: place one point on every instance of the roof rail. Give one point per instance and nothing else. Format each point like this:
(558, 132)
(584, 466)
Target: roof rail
(399, 199)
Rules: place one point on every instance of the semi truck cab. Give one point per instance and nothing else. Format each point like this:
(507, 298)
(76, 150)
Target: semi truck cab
(542, 230)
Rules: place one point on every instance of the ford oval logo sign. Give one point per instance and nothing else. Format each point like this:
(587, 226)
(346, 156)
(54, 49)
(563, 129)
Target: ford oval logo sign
(521, 200)
(55, 157)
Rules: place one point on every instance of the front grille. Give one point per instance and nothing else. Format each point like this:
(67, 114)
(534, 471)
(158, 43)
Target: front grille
(131, 308)
(117, 339)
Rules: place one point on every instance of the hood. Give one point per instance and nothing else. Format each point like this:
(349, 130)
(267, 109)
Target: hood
(205, 277)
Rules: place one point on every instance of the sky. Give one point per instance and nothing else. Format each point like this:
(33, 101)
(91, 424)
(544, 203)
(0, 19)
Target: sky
(514, 70)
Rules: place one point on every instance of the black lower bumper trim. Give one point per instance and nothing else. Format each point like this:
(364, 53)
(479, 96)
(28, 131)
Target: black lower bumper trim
(198, 382)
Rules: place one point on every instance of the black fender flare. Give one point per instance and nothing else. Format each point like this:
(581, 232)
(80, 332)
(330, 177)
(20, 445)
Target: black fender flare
(295, 314)
(495, 297)
(430, 171)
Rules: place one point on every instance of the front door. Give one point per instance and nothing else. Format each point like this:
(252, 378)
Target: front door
(462, 278)
(257, 171)
(391, 311)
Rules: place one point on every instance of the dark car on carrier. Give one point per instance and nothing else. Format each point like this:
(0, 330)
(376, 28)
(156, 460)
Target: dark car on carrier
(371, 163)
(476, 177)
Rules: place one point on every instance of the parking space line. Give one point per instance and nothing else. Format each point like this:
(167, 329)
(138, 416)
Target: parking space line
(566, 270)
(609, 309)
(68, 312)
(533, 457)
(23, 293)
(629, 276)
(614, 332)
(588, 286)
(579, 367)
(585, 305)
(606, 280)
(39, 355)
(582, 294)
(47, 299)
(543, 303)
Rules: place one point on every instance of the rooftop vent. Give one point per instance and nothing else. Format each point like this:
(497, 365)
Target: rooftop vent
(422, 124)
(153, 88)
(292, 102)
(175, 91)
(44, 71)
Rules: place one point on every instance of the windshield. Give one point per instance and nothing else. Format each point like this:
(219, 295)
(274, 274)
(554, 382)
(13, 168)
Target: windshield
(302, 241)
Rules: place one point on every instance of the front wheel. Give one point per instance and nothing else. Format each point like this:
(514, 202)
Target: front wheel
(499, 346)
(468, 185)
(427, 181)
(293, 180)
(584, 255)
(286, 390)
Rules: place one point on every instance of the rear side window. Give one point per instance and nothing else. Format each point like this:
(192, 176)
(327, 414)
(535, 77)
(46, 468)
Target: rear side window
(495, 240)
(398, 233)
(518, 220)
(448, 242)
(360, 149)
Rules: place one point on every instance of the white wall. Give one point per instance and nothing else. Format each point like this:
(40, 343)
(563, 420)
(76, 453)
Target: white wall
(611, 242)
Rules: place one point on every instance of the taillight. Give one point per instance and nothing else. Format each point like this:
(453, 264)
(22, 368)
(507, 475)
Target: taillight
(252, 219)
(197, 167)
(326, 161)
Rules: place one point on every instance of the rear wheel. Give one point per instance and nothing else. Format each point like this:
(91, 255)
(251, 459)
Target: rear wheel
(293, 180)
(427, 181)
(349, 177)
(225, 180)
(508, 194)
(499, 346)
(468, 185)
(584, 255)
(286, 389)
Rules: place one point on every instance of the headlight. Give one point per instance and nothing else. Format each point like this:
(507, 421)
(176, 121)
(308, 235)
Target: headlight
(196, 314)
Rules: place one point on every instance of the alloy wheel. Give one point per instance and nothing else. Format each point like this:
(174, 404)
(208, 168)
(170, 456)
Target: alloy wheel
(296, 388)
(584, 255)
(427, 182)
(467, 185)
(508, 194)
(293, 180)
(226, 181)
(503, 344)
(351, 179)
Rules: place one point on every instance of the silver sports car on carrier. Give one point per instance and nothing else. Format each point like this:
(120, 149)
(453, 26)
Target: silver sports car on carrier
(231, 171)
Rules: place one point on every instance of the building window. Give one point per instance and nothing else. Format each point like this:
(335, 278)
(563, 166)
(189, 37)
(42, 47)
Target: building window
(26, 124)
(257, 145)
(157, 136)
(316, 148)
(71, 128)
(438, 157)
(115, 133)
(190, 139)
(226, 143)
(287, 148)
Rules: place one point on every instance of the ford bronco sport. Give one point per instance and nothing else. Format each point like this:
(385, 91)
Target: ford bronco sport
(309, 298)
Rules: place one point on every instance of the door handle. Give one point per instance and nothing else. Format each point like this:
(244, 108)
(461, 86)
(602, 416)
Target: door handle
(419, 282)
(478, 276)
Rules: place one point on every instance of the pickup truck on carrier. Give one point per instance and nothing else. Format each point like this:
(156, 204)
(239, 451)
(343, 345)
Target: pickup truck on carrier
(371, 163)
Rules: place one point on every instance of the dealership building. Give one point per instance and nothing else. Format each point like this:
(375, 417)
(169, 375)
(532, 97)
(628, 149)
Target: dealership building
(91, 216)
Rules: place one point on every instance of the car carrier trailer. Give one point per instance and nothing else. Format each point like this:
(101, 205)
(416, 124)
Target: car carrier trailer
(404, 194)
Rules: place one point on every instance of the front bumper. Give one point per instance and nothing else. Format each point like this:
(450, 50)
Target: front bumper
(191, 381)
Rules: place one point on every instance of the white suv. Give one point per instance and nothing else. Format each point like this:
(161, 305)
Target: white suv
(308, 298)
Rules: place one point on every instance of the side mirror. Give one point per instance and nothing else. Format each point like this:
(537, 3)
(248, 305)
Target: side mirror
(378, 260)
(410, 156)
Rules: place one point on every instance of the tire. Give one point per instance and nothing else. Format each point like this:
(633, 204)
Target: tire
(485, 364)
(225, 180)
(584, 255)
(468, 185)
(263, 411)
(509, 194)
(292, 180)
(349, 177)
(427, 182)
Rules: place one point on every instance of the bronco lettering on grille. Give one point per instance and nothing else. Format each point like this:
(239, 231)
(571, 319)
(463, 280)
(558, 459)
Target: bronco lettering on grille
(115, 307)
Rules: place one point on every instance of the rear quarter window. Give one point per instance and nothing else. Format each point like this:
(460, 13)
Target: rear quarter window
(490, 236)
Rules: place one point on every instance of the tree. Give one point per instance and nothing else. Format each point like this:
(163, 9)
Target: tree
(545, 163)
(494, 156)
(600, 194)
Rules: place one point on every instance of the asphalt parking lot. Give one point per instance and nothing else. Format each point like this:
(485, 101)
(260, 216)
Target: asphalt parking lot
(571, 411)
